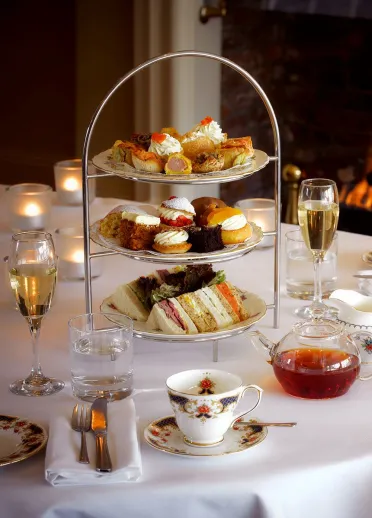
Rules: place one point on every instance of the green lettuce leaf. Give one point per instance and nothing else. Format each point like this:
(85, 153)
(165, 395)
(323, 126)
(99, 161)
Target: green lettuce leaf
(217, 279)
(165, 291)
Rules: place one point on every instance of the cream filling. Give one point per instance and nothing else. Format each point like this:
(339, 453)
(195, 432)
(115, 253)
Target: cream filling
(167, 147)
(171, 237)
(172, 214)
(141, 219)
(234, 222)
(213, 131)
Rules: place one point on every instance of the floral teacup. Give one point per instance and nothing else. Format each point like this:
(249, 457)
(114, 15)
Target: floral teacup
(204, 401)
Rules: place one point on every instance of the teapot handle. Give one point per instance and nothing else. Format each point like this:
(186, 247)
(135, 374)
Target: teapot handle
(259, 392)
(363, 341)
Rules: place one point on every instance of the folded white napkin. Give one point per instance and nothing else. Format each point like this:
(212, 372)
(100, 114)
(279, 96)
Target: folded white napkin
(61, 463)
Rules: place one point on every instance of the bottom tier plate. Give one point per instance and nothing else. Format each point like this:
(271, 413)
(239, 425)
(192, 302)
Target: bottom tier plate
(253, 303)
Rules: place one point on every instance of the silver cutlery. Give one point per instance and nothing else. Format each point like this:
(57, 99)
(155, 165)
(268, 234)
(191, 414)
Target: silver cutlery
(80, 422)
(99, 428)
(289, 425)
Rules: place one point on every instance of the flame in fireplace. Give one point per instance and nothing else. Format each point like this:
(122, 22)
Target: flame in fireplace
(360, 195)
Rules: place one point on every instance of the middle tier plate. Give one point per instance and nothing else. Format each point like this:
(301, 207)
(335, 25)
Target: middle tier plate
(226, 254)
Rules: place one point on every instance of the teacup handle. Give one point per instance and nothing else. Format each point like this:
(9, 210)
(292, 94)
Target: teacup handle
(360, 336)
(259, 392)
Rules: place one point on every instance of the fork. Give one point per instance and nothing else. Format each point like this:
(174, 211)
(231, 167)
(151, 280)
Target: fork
(80, 422)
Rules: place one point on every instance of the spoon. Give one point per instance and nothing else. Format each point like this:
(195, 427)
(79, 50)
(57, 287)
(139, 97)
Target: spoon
(288, 425)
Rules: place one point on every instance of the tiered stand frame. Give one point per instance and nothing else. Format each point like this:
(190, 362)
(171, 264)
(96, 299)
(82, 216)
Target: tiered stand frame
(88, 256)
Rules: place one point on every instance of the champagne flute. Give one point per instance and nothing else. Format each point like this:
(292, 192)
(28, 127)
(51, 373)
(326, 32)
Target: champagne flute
(33, 270)
(318, 210)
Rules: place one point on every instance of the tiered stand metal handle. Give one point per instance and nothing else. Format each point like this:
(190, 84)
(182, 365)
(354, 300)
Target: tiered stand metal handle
(276, 159)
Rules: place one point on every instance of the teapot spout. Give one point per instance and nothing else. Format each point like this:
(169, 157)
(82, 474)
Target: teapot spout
(260, 341)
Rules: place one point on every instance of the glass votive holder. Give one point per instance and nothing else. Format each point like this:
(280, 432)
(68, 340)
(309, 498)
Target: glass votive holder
(262, 212)
(68, 176)
(69, 243)
(29, 206)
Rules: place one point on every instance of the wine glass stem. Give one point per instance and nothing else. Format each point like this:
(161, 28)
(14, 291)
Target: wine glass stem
(317, 280)
(36, 376)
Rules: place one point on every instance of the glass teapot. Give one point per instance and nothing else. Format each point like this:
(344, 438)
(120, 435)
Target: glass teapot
(318, 359)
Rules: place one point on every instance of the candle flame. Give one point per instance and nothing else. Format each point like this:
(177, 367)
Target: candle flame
(78, 256)
(32, 209)
(71, 184)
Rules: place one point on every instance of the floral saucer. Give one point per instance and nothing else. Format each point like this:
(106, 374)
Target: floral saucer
(164, 434)
(19, 439)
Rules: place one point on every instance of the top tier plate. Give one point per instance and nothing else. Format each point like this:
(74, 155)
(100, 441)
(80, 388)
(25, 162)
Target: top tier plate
(104, 163)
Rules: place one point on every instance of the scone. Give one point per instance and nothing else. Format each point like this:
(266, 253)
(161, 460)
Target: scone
(235, 228)
(176, 212)
(172, 242)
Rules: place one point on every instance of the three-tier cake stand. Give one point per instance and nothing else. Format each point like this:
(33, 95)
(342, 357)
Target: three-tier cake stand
(275, 306)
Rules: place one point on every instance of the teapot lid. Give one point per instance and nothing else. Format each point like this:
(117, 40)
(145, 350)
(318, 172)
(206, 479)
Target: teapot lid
(318, 328)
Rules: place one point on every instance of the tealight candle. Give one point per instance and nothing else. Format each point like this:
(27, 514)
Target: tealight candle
(262, 212)
(70, 250)
(29, 206)
(69, 182)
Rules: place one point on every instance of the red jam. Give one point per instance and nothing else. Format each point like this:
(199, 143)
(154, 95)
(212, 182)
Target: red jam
(158, 137)
(181, 221)
(206, 121)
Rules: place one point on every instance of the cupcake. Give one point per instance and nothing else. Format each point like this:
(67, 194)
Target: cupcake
(176, 212)
(164, 145)
(235, 228)
(172, 242)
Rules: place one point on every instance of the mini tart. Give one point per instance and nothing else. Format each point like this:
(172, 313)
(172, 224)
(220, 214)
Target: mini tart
(172, 249)
(192, 148)
(178, 164)
(146, 161)
(208, 162)
(232, 237)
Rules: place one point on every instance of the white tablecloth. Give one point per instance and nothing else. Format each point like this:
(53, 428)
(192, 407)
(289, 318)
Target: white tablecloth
(321, 468)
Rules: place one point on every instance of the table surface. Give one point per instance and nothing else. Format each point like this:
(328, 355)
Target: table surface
(320, 468)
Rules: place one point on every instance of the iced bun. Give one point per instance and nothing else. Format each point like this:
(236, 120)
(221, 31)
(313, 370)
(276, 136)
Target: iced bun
(206, 203)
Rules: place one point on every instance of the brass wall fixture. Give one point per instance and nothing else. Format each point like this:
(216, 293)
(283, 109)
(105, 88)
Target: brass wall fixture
(292, 176)
(209, 11)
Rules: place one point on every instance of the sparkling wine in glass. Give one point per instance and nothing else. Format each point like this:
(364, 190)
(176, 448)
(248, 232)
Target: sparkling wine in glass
(318, 210)
(33, 272)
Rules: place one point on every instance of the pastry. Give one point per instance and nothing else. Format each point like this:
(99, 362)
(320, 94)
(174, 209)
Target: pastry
(122, 151)
(164, 145)
(235, 228)
(208, 162)
(110, 224)
(172, 242)
(141, 139)
(147, 161)
(234, 150)
(204, 203)
(172, 132)
(176, 212)
(137, 231)
(178, 164)
(194, 143)
(206, 239)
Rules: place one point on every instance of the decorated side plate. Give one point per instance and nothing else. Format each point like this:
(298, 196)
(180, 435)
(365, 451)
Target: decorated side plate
(104, 163)
(19, 439)
(227, 253)
(164, 435)
(255, 306)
